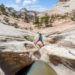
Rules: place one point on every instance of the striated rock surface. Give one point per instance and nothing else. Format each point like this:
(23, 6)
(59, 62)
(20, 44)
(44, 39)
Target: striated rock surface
(12, 39)
(15, 49)
(16, 52)
(60, 52)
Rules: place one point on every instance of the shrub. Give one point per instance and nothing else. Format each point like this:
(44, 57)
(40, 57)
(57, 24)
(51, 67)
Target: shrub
(73, 16)
(52, 19)
(29, 38)
(14, 15)
(63, 16)
(42, 20)
(46, 19)
(37, 22)
(26, 19)
(6, 19)
(16, 25)
(49, 25)
(3, 10)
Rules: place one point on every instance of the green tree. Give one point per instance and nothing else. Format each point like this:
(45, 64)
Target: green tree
(52, 19)
(3, 10)
(6, 19)
(37, 22)
(73, 16)
(46, 19)
(42, 20)
(15, 25)
(13, 14)
(26, 19)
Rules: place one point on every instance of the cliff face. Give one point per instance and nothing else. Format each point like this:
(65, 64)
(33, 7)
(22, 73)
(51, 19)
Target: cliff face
(64, 0)
(65, 5)
(61, 7)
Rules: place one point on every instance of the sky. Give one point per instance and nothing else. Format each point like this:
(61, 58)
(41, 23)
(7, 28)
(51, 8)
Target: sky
(36, 5)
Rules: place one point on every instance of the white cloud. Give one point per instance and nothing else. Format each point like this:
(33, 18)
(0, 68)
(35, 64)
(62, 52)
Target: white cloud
(33, 6)
(26, 2)
(34, 0)
(36, 8)
(30, 5)
(18, 1)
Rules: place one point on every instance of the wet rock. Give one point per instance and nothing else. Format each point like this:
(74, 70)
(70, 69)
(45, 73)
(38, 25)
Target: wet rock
(37, 54)
(11, 63)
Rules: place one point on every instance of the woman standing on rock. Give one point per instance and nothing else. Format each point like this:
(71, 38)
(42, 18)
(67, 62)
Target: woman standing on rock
(40, 39)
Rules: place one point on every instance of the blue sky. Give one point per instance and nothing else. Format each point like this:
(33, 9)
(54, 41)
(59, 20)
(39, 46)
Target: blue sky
(37, 5)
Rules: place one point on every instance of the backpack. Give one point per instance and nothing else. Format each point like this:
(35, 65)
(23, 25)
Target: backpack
(41, 38)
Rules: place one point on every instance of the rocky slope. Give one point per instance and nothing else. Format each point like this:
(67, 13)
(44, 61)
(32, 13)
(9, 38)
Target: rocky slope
(58, 51)
(15, 50)
(61, 7)
(66, 5)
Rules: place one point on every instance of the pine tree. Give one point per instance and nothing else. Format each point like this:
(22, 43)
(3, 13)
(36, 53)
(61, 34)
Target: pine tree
(37, 21)
(46, 19)
(73, 16)
(3, 10)
(42, 20)
(13, 14)
(26, 19)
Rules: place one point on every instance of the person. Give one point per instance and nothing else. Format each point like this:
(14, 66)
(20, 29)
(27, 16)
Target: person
(31, 28)
(40, 39)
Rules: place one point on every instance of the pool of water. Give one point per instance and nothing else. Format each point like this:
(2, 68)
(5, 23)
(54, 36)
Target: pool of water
(41, 68)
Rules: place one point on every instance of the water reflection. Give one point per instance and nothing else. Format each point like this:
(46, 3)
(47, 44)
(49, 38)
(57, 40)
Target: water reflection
(41, 68)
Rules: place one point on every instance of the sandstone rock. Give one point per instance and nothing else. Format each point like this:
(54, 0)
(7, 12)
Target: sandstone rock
(17, 52)
(61, 7)
(69, 63)
(11, 63)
